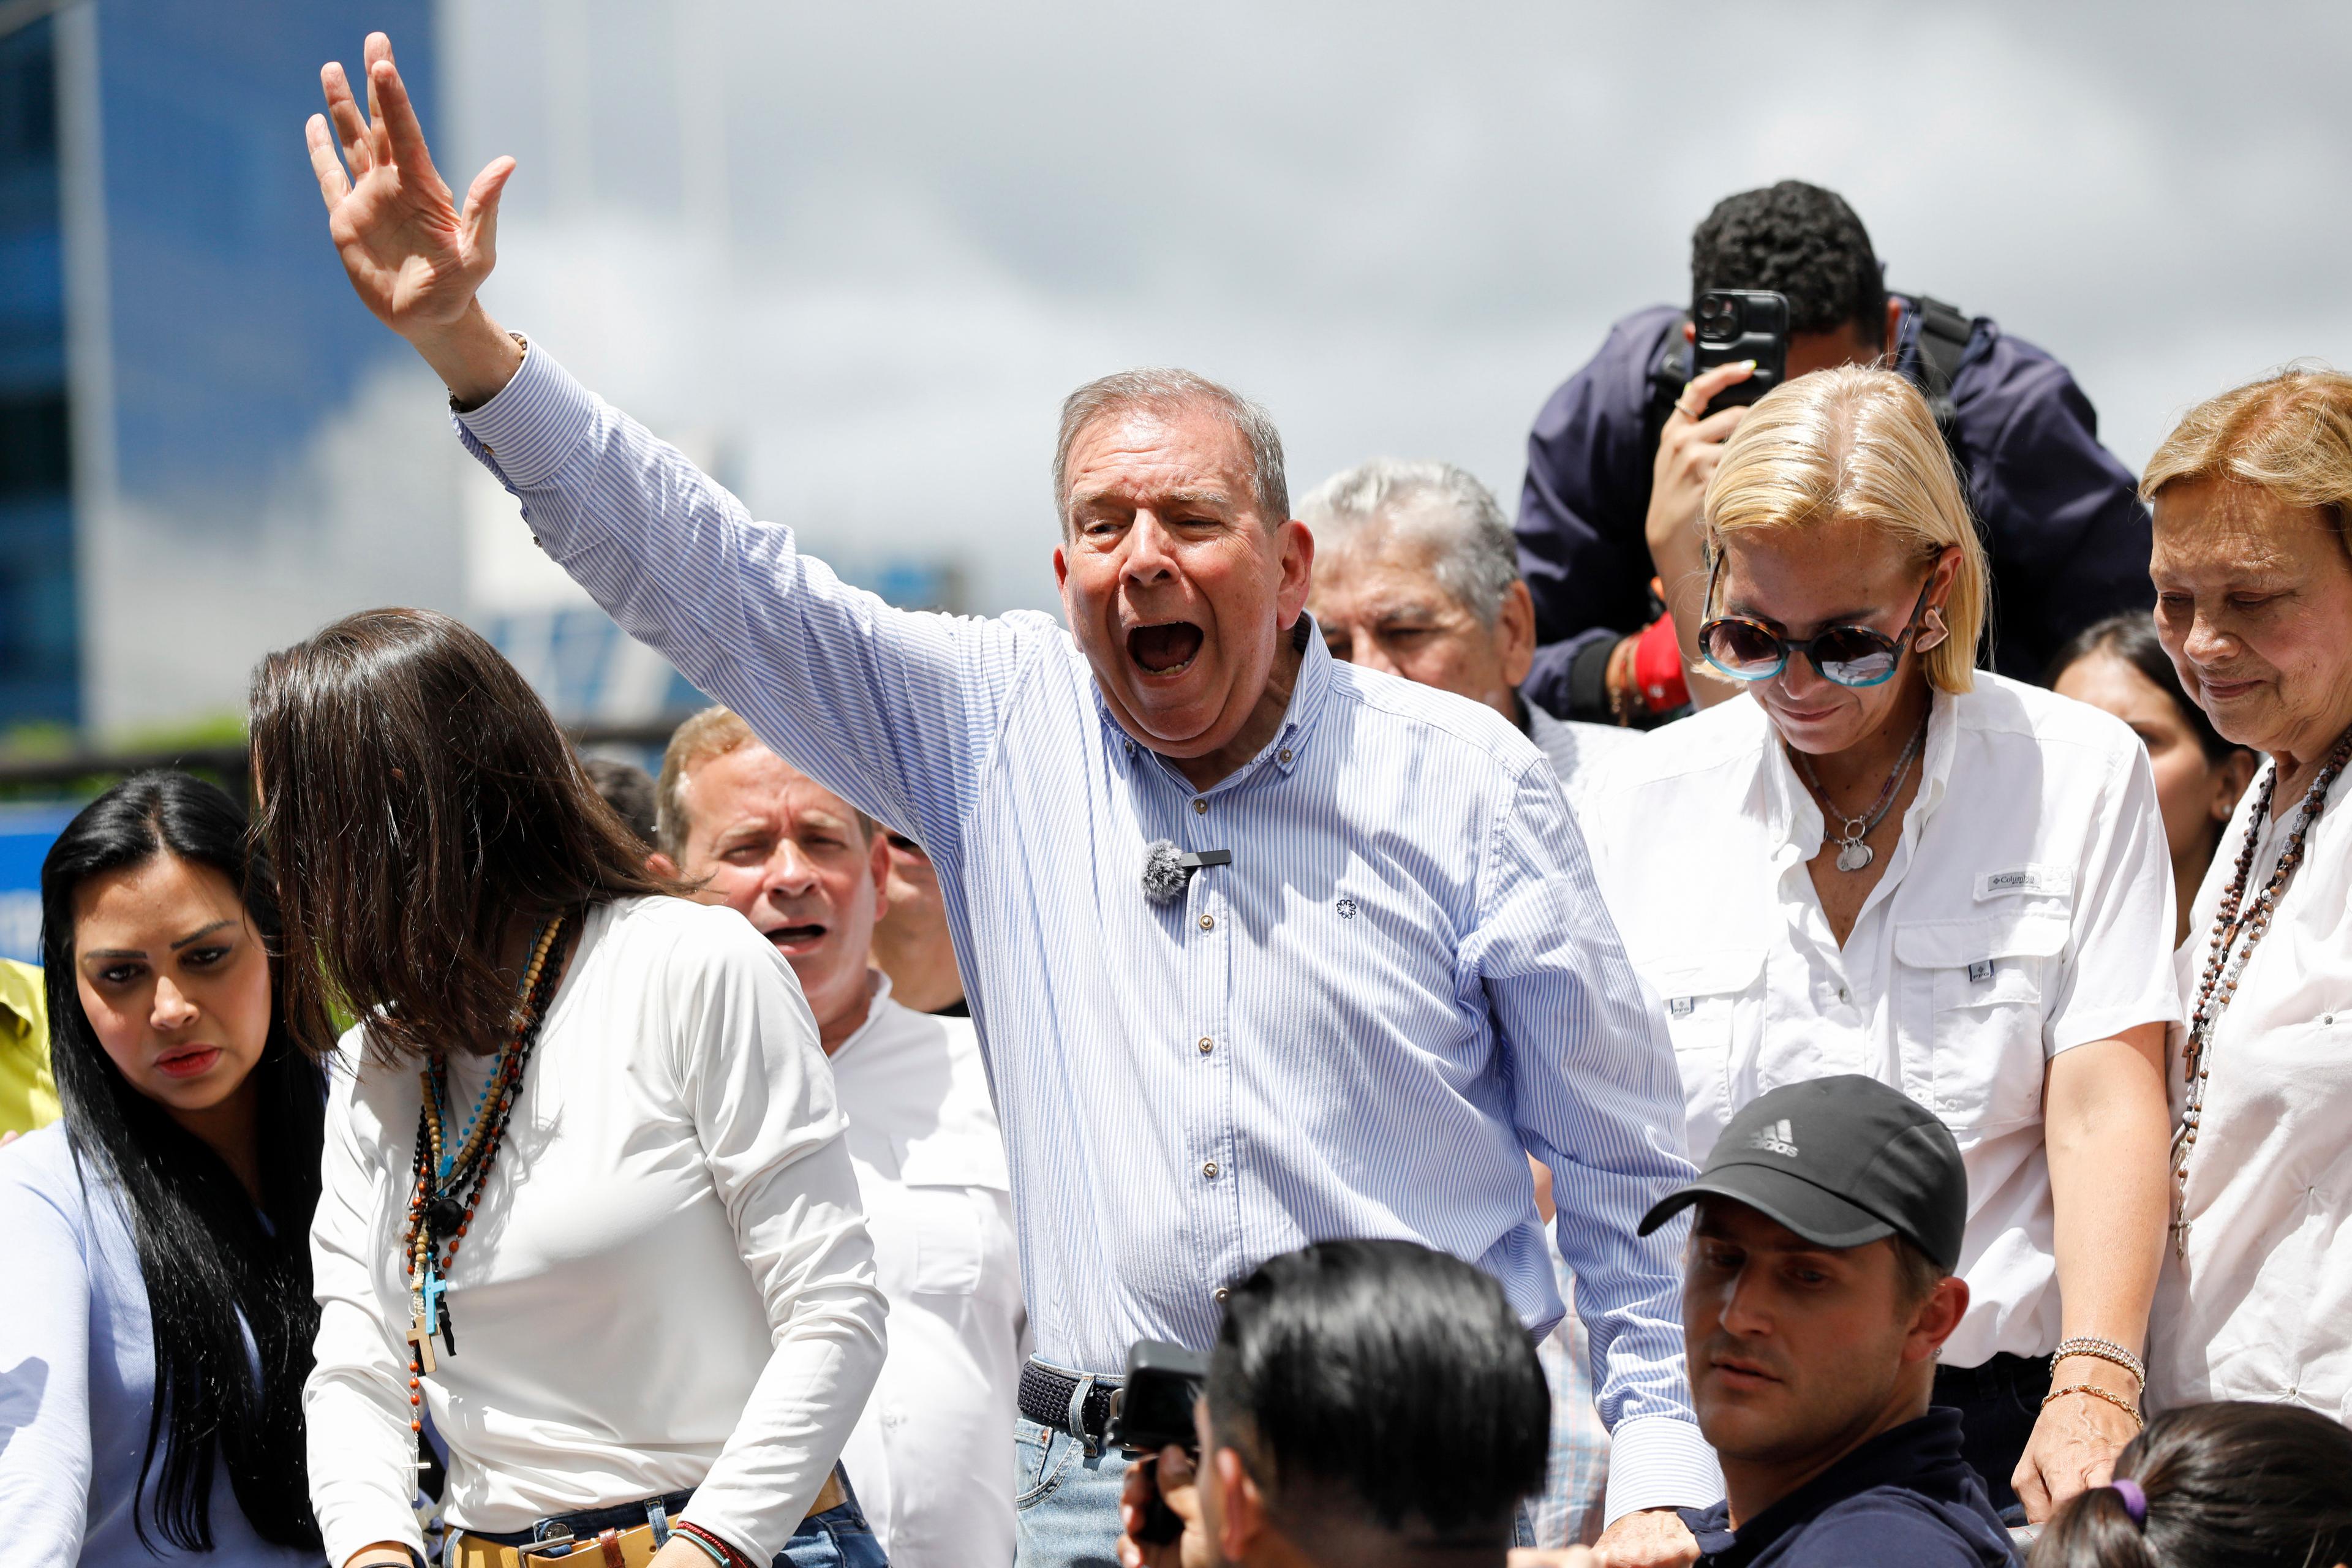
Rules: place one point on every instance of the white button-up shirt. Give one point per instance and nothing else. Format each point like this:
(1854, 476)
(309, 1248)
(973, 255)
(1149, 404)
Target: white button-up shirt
(931, 1457)
(1574, 749)
(2027, 908)
(2262, 1308)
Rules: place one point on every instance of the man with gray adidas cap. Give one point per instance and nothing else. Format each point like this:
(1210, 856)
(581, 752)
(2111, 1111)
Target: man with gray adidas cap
(1817, 1292)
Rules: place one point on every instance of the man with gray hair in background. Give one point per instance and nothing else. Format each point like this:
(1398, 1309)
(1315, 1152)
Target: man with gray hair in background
(1416, 573)
(1368, 972)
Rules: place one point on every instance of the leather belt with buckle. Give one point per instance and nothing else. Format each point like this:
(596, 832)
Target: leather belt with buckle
(1077, 1402)
(612, 1548)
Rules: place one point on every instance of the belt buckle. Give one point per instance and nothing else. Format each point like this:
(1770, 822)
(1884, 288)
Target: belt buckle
(553, 1545)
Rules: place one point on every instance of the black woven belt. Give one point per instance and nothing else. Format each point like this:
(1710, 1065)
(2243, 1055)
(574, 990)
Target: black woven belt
(1045, 1399)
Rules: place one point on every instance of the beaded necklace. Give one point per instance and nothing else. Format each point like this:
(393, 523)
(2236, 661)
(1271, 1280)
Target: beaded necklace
(449, 1185)
(2225, 959)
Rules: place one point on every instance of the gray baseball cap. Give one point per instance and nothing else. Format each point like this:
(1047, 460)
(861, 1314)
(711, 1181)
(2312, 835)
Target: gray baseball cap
(1841, 1162)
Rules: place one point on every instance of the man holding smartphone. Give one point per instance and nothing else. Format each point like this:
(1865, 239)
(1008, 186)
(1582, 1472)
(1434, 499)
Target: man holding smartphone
(1621, 453)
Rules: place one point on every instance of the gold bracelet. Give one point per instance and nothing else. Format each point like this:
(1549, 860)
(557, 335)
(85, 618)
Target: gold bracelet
(2095, 1391)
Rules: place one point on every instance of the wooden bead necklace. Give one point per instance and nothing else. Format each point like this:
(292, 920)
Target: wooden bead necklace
(2225, 959)
(447, 1187)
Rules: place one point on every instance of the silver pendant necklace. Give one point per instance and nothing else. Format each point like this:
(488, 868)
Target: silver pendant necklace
(1852, 853)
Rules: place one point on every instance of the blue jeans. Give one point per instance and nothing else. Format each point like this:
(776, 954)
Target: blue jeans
(837, 1538)
(1066, 1505)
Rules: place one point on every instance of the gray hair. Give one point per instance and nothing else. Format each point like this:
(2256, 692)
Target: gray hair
(1444, 507)
(1163, 391)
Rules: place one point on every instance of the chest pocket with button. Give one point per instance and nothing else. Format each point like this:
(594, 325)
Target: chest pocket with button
(1973, 1014)
(1701, 994)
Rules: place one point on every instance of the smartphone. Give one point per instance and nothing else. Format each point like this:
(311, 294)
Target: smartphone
(1735, 324)
(1152, 1409)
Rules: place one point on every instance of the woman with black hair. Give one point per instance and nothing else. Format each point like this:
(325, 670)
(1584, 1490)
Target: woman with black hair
(586, 1192)
(159, 1317)
(2231, 1485)
(2119, 665)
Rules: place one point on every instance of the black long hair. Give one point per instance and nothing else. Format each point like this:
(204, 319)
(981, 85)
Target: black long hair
(2131, 637)
(2233, 1485)
(207, 1258)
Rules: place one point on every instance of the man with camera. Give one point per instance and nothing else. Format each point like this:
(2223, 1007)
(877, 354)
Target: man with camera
(1368, 1404)
(1616, 464)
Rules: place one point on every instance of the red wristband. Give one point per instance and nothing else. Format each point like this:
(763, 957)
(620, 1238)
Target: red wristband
(1658, 668)
(712, 1545)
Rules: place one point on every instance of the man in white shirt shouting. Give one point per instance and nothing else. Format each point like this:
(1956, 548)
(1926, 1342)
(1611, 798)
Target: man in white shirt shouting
(932, 1455)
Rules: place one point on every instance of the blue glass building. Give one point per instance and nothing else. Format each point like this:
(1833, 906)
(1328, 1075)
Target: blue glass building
(40, 652)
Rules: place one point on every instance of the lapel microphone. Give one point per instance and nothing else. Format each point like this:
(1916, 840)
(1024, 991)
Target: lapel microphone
(1167, 872)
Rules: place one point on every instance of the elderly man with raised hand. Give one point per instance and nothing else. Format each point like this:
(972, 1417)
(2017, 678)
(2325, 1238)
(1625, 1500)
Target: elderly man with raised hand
(1371, 973)
(931, 1457)
(1416, 573)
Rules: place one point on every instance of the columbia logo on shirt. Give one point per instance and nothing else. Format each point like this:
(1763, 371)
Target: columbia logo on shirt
(1776, 1139)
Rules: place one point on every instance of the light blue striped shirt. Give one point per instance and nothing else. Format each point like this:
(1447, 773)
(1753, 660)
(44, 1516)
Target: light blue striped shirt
(1404, 979)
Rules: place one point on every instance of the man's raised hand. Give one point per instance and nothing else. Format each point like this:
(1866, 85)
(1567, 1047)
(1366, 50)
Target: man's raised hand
(413, 256)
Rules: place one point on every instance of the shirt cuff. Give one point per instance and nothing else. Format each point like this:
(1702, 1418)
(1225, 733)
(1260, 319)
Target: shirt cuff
(1660, 1461)
(532, 427)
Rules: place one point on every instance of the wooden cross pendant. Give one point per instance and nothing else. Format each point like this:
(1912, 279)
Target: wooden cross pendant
(420, 1334)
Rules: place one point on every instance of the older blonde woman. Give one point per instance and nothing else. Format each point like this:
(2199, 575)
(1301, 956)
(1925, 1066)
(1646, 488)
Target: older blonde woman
(2254, 601)
(1877, 858)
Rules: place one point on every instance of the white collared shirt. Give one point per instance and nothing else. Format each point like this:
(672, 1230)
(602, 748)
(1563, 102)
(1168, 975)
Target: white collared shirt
(931, 1457)
(2027, 908)
(2262, 1308)
(1574, 749)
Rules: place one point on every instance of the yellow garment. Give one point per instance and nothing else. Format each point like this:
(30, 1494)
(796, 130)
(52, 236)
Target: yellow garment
(28, 1095)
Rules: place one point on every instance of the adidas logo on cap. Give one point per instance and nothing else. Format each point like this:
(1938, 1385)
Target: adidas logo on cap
(1776, 1139)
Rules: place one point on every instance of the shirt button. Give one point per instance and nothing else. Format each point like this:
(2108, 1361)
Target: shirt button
(1207, 1045)
(1284, 754)
(1219, 1295)
(1208, 922)
(1210, 1170)
(1842, 994)
(1199, 806)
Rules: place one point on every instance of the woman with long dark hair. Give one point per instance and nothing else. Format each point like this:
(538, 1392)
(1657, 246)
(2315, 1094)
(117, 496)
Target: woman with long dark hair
(2231, 1485)
(587, 1195)
(2119, 665)
(159, 1317)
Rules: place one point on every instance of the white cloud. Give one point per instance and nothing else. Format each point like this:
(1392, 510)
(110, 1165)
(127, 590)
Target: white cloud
(858, 254)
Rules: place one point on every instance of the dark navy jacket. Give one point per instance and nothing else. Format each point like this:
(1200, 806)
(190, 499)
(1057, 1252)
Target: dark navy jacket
(2068, 536)
(1905, 1497)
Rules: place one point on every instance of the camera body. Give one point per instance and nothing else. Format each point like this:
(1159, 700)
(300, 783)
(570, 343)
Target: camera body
(1154, 1406)
(1735, 324)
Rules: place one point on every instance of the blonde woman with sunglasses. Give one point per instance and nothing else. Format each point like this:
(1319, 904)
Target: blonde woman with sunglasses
(1869, 856)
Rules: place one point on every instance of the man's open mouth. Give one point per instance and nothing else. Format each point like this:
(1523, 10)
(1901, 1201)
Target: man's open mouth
(789, 938)
(1163, 649)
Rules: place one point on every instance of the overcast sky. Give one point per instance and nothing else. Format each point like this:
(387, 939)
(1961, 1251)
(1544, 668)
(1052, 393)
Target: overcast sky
(855, 255)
